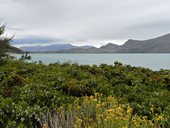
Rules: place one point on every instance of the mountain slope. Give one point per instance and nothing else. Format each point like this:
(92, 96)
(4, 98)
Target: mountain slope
(80, 50)
(12, 49)
(55, 47)
(156, 45)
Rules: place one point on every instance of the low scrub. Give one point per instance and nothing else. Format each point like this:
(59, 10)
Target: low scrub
(65, 95)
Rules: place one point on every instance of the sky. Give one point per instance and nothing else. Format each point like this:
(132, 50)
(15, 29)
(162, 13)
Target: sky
(86, 22)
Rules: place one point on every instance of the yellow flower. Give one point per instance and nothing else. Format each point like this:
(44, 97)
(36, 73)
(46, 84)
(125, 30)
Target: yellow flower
(145, 118)
(129, 110)
(45, 125)
(160, 117)
(150, 123)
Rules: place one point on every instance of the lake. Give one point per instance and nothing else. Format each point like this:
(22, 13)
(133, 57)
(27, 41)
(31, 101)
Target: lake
(152, 61)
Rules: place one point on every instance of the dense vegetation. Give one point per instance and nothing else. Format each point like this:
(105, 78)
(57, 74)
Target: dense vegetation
(71, 95)
(4, 43)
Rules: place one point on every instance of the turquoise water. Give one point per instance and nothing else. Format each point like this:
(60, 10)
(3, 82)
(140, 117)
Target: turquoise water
(152, 61)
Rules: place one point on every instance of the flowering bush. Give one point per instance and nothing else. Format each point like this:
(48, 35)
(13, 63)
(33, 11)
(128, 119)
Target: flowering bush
(101, 112)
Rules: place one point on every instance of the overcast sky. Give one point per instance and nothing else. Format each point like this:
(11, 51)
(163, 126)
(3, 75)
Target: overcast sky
(92, 22)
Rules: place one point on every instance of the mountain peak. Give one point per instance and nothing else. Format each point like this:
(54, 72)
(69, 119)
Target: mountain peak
(109, 45)
(131, 42)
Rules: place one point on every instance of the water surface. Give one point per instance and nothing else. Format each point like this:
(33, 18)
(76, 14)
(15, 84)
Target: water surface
(152, 61)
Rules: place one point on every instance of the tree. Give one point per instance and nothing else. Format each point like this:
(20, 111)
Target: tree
(25, 56)
(4, 43)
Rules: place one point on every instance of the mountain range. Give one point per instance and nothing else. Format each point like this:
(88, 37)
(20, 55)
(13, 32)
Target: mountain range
(44, 44)
(51, 48)
(156, 45)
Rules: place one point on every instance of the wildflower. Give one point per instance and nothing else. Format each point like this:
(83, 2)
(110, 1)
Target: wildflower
(145, 118)
(79, 121)
(159, 118)
(45, 125)
(129, 110)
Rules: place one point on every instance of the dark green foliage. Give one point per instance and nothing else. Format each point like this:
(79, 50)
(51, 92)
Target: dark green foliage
(29, 90)
(4, 44)
(25, 56)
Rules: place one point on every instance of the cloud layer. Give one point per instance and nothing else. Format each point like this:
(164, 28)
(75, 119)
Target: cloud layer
(86, 21)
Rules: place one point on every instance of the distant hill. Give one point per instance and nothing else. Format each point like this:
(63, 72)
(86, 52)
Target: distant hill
(12, 49)
(52, 48)
(56, 47)
(156, 45)
(44, 45)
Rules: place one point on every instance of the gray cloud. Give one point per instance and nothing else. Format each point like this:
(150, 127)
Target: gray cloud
(87, 20)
